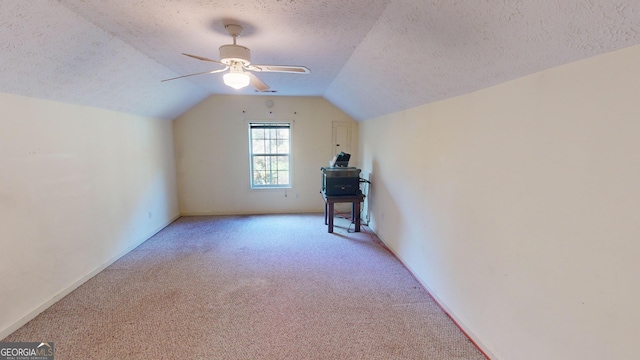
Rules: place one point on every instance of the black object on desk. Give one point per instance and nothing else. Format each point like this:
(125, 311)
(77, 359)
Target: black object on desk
(340, 181)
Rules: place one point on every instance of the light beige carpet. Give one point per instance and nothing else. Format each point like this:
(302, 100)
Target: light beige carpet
(252, 287)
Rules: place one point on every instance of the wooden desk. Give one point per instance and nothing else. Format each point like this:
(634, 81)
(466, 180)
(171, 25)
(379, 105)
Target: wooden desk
(329, 213)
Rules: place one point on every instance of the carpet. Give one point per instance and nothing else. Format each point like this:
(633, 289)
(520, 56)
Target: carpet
(252, 287)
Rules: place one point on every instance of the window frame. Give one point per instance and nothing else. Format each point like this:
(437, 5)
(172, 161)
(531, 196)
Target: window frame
(266, 124)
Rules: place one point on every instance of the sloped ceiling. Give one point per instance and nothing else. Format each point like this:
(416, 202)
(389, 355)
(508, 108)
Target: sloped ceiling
(367, 57)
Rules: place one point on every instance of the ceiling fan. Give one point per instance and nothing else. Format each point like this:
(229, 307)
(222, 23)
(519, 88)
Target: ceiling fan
(237, 59)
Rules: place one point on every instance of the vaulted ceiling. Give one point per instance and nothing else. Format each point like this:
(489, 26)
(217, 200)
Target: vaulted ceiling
(367, 57)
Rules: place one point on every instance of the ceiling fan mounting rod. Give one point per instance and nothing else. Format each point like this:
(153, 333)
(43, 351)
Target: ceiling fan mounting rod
(234, 53)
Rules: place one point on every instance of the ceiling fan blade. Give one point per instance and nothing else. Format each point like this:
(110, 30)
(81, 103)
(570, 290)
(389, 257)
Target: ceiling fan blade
(280, 68)
(202, 58)
(256, 82)
(200, 73)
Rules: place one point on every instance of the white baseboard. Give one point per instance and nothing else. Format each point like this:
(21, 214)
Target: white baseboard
(64, 292)
(450, 313)
(240, 213)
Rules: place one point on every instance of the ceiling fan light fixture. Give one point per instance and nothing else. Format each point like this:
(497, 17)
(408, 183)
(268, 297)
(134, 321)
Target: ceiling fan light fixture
(236, 80)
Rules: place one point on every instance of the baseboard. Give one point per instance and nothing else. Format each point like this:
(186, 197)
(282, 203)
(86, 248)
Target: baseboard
(451, 314)
(240, 213)
(64, 292)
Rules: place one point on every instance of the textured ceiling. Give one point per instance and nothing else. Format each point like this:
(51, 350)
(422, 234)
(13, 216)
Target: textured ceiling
(368, 57)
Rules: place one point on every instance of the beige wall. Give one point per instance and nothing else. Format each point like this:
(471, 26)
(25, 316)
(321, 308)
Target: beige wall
(212, 154)
(518, 207)
(79, 187)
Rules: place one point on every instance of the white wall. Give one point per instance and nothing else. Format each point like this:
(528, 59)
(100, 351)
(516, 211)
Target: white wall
(212, 154)
(79, 187)
(518, 206)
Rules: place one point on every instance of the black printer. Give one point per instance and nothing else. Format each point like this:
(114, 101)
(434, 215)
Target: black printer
(340, 181)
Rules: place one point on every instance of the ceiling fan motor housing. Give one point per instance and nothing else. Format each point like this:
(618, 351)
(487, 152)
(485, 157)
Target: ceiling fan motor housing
(235, 53)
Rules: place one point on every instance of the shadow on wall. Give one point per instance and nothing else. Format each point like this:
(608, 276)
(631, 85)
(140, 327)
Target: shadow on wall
(386, 218)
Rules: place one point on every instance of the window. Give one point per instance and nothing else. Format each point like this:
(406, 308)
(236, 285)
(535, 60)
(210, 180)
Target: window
(270, 152)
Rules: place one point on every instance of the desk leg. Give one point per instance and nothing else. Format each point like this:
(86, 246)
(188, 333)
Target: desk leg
(356, 214)
(330, 214)
(353, 212)
(326, 210)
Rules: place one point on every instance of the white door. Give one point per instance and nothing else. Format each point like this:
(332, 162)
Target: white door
(341, 138)
(342, 142)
